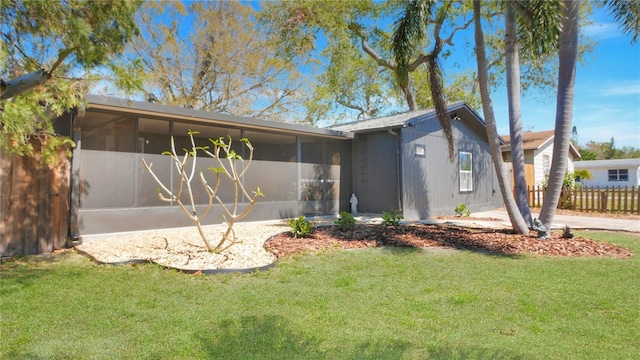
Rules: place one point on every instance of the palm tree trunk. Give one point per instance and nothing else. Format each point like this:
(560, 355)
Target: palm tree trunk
(512, 57)
(517, 221)
(567, 56)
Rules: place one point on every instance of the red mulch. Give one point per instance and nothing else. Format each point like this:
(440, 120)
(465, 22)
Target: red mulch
(494, 241)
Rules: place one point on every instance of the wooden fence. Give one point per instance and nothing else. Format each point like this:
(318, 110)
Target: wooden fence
(621, 200)
(34, 203)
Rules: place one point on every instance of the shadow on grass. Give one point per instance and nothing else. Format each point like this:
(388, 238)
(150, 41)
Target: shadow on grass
(24, 270)
(429, 236)
(272, 337)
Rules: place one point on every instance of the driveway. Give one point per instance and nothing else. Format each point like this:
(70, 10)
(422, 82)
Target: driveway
(575, 222)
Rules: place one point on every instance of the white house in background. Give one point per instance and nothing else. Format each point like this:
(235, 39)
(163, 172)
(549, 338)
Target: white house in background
(612, 173)
(538, 151)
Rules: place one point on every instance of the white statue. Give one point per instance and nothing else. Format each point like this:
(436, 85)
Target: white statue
(354, 205)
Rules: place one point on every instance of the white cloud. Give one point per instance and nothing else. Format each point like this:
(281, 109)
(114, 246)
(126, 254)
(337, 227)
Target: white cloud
(601, 31)
(626, 87)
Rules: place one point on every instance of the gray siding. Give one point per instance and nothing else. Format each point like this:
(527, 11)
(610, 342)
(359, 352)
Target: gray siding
(431, 182)
(376, 172)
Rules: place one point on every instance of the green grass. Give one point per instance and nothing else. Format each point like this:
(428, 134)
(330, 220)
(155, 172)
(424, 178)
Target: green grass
(366, 304)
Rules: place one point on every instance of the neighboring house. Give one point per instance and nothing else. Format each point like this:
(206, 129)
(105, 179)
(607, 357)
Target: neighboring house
(402, 162)
(397, 162)
(611, 173)
(538, 151)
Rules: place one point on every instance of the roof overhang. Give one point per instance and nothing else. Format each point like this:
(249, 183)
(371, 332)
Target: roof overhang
(189, 115)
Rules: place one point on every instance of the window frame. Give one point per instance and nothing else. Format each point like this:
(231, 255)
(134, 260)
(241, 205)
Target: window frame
(464, 173)
(618, 175)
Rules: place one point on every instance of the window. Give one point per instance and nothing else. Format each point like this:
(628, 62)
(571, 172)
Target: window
(546, 164)
(466, 171)
(618, 175)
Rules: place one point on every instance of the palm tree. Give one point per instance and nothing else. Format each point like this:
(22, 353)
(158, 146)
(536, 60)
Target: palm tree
(535, 25)
(512, 59)
(517, 221)
(627, 14)
(411, 29)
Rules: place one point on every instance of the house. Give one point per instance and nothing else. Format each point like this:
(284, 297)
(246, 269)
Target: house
(402, 162)
(611, 173)
(538, 151)
(396, 162)
(300, 169)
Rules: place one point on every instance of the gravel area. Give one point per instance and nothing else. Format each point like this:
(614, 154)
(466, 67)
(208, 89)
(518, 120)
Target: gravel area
(184, 249)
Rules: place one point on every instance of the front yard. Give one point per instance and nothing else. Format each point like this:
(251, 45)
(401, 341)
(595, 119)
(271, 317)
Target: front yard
(376, 303)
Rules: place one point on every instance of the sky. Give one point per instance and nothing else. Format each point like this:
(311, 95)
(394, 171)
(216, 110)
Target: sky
(607, 92)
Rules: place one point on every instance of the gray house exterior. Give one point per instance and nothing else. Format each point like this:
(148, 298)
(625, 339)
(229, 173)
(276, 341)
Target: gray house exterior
(402, 162)
(396, 162)
(300, 169)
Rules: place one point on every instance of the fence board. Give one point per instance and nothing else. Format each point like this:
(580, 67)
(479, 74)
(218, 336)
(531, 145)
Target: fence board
(592, 199)
(33, 206)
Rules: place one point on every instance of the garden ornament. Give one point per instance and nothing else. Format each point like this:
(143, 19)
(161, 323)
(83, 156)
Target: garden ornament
(543, 233)
(354, 205)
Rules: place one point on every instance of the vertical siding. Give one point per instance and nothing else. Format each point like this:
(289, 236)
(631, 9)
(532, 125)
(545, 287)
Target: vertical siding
(431, 183)
(376, 172)
(538, 163)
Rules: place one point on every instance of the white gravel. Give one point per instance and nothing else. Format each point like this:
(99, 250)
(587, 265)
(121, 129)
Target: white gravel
(184, 249)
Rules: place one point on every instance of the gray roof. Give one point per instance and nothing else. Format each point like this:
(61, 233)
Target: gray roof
(402, 119)
(173, 112)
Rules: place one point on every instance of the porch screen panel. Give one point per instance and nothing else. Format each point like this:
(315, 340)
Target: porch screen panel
(274, 168)
(108, 161)
(278, 180)
(153, 139)
(107, 179)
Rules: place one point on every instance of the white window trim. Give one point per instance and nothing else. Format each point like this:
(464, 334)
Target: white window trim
(465, 186)
(617, 175)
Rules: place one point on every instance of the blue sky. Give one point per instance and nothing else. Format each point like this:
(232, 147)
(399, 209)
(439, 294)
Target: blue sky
(607, 91)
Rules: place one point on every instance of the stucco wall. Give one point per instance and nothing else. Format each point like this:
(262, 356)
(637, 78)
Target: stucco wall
(601, 176)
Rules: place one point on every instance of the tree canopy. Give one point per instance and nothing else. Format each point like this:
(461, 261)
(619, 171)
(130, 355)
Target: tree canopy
(66, 45)
(212, 56)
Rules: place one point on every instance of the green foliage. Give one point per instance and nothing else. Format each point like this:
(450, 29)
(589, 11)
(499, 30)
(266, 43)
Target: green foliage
(41, 34)
(607, 150)
(476, 307)
(391, 218)
(300, 226)
(345, 221)
(462, 210)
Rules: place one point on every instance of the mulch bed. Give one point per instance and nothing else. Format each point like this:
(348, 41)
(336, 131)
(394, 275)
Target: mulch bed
(493, 241)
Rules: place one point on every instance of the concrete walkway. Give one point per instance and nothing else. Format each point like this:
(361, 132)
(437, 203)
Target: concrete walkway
(560, 221)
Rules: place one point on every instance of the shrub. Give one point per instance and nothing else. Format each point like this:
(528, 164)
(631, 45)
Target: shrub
(183, 195)
(462, 210)
(300, 226)
(391, 218)
(346, 221)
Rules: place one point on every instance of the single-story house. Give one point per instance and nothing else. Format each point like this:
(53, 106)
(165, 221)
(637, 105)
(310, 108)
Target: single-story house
(300, 169)
(397, 162)
(402, 162)
(611, 173)
(538, 151)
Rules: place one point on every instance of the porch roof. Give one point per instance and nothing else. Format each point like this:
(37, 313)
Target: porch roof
(190, 115)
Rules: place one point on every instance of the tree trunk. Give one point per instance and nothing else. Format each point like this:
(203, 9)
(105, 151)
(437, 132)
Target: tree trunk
(515, 122)
(517, 221)
(567, 56)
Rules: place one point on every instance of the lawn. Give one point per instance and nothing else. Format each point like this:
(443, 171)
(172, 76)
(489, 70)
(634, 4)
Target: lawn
(385, 303)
